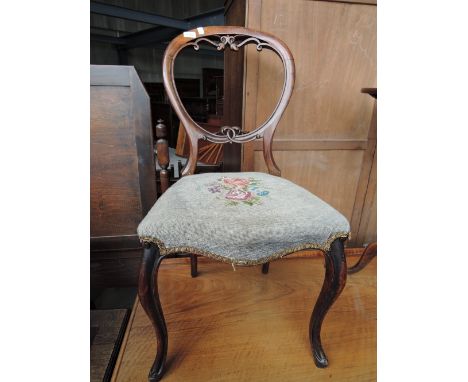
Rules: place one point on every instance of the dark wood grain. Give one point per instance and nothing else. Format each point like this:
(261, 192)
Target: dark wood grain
(108, 328)
(108, 243)
(115, 200)
(141, 124)
(123, 186)
(333, 284)
(115, 268)
(162, 148)
(120, 139)
(149, 299)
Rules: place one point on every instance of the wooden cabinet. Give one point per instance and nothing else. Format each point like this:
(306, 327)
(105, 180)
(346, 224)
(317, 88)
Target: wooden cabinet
(123, 185)
(323, 141)
(365, 207)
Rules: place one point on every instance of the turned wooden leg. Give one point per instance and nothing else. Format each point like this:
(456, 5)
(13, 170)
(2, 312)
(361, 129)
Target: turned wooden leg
(265, 268)
(194, 265)
(333, 284)
(369, 253)
(149, 298)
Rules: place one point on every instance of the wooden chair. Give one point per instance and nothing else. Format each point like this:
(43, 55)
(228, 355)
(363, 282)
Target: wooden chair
(240, 218)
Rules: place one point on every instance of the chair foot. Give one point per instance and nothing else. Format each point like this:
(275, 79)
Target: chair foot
(149, 299)
(333, 284)
(369, 253)
(194, 265)
(265, 268)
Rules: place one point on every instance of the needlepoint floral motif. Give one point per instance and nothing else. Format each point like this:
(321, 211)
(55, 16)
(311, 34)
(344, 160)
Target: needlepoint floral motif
(235, 191)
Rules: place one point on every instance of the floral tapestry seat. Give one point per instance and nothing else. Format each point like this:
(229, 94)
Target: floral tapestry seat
(243, 218)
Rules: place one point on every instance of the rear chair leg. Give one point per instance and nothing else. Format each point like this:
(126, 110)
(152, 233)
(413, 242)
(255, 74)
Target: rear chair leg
(265, 268)
(194, 265)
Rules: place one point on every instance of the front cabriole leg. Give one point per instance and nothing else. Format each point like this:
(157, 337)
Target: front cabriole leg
(333, 284)
(149, 299)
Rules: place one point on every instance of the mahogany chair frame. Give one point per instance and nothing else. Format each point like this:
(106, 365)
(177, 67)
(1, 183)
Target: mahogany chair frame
(335, 262)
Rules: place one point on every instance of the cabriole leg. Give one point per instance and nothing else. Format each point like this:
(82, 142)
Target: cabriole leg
(149, 299)
(333, 284)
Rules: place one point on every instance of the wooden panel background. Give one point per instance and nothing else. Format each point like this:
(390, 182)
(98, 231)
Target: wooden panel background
(114, 193)
(323, 141)
(123, 184)
(122, 166)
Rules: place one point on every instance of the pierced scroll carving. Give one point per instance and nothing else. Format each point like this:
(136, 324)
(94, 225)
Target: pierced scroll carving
(235, 134)
(233, 41)
(230, 134)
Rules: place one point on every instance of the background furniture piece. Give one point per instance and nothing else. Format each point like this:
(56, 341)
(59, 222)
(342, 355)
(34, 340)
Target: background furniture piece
(325, 140)
(107, 331)
(164, 177)
(163, 233)
(201, 107)
(369, 253)
(123, 185)
(160, 107)
(171, 162)
(364, 217)
(209, 153)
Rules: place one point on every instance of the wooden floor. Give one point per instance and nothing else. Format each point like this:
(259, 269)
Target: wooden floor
(246, 326)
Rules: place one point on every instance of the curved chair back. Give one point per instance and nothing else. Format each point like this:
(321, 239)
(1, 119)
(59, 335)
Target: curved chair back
(234, 38)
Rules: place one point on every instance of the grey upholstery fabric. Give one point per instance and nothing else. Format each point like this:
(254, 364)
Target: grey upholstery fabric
(242, 218)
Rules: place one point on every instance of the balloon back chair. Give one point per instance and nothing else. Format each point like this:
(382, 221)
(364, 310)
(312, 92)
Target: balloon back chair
(245, 219)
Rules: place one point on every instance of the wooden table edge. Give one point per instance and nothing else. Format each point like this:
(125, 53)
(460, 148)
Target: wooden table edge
(124, 341)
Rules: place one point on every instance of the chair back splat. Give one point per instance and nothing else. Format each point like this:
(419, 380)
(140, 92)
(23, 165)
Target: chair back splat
(233, 38)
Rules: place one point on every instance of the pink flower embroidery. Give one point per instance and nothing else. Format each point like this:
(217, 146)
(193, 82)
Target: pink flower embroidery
(237, 191)
(238, 194)
(236, 181)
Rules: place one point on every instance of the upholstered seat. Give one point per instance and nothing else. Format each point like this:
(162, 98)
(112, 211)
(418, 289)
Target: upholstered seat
(242, 218)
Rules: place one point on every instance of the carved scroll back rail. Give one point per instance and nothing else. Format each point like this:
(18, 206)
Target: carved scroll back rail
(223, 37)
